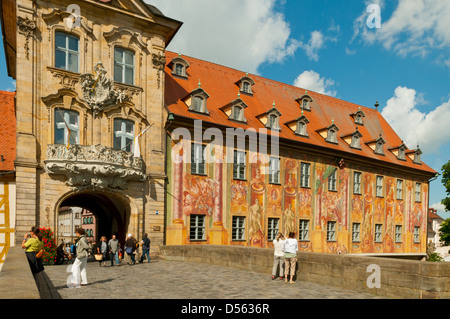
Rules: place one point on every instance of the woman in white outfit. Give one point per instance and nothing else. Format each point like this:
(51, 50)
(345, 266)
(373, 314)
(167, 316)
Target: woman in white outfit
(290, 249)
(278, 256)
(79, 265)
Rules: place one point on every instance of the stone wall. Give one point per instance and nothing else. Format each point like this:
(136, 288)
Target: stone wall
(399, 278)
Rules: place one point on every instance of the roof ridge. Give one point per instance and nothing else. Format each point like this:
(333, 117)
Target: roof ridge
(273, 81)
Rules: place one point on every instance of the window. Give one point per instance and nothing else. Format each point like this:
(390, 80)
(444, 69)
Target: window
(401, 153)
(398, 233)
(198, 104)
(356, 232)
(302, 128)
(179, 69)
(197, 227)
(246, 87)
(123, 66)
(272, 120)
(378, 233)
(356, 140)
(305, 174)
(418, 192)
(239, 165)
(331, 231)
(303, 230)
(379, 147)
(272, 228)
(67, 127)
(238, 113)
(332, 134)
(332, 182)
(197, 159)
(238, 228)
(305, 104)
(399, 189)
(274, 170)
(357, 183)
(123, 135)
(416, 234)
(67, 52)
(379, 186)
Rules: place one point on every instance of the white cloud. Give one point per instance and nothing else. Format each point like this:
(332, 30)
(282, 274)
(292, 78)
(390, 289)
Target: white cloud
(238, 34)
(428, 130)
(438, 206)
(311, 80)
(314, 45)
(415, 27)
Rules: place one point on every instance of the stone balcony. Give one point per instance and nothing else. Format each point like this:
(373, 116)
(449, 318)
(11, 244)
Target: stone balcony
(94, 167)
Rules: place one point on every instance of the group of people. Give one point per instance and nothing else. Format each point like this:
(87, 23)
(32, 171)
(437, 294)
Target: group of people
(285, 257)
(33, 244)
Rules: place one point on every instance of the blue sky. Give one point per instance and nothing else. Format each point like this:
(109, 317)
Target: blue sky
(326, 46)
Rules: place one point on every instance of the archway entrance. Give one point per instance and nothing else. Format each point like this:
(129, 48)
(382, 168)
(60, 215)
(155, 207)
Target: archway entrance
(111, 212)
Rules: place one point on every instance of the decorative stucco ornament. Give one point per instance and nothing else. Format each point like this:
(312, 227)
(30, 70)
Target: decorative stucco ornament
(98, 89)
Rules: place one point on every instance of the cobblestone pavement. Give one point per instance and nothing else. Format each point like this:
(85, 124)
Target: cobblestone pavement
(162, 279)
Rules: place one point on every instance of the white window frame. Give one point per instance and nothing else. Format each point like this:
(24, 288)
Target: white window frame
(124, 66)
(356, 232)
(398, 233)
(331, 231)
(416, 234)
(357, 183)
(399, 189)
(378, 234)
(197, 227)
(66, 125)
(124, 135)
(198, 161)
(303, 230)
(273, 226)
(332, 182)
(305, 175)
(238, 228)
(239, 165)
(379, 186)
(67, 52)
(418, 192)
(274, 170)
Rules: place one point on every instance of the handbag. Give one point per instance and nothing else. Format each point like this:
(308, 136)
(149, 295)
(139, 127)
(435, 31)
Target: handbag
(40, 253)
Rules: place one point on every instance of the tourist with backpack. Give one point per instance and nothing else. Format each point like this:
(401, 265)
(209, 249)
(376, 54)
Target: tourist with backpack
(145, 248)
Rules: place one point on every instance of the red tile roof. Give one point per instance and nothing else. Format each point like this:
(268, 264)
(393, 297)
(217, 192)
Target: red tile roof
(220, 83)
(7, 131)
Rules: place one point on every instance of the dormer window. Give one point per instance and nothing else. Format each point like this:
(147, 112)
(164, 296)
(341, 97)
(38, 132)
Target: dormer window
(305, 102)
(356, 140)
(179, 66)
(246, 85)
(238, 113)
(417, 154)
(302, 123)
(401, 153)
(273, 119)
(332, 134)
(358, 117)
(379, 147)
(197, 101)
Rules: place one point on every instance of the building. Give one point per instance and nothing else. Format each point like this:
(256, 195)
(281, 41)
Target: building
(92, 76)
(7, 173)
(340, 178)
(89, 80)
(69, 219)
(434, 225)
(89, 224)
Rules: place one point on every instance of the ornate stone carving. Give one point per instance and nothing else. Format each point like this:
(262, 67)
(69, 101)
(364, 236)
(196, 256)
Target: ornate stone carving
(66, 79)
(94, 167)
(27, 28)
(159, 62)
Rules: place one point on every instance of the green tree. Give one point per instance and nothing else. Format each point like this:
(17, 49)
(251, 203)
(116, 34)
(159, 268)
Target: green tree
(444, 232)
(446, 182)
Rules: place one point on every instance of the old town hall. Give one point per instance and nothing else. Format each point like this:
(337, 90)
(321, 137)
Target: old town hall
(97, 117)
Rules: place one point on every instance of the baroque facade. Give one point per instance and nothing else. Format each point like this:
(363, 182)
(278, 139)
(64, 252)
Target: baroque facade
(89, 80)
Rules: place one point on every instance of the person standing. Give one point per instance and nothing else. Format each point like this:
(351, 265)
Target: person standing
(102, 249)
(113, 246)
(290, 248)
(130, 247)
(79, 265)
(33, 243)
(145, 248)
(278, 256)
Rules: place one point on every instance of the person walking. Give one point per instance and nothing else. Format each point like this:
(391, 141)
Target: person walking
(130, 247)
(145, 248)
(79, 265)
(290, 248)
(102, 248)
(32, 243)
(278, 256)
(113, 246)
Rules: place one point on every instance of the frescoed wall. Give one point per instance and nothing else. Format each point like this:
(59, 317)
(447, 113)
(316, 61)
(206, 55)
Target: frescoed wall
(219, 197)
(7, 218)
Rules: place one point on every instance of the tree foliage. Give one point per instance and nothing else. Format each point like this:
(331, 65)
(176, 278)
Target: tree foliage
(446, 182)
(444, 232)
